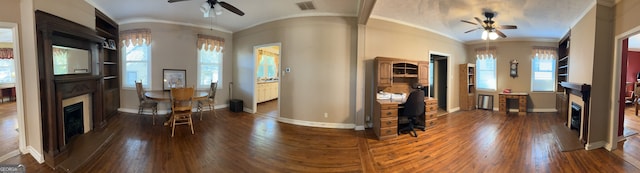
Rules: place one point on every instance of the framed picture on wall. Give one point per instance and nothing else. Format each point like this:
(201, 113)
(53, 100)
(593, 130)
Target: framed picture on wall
(173, 78)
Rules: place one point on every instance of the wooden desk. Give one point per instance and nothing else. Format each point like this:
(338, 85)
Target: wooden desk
(7, 90)
(522, 102)
(385, 117)
(166, 95)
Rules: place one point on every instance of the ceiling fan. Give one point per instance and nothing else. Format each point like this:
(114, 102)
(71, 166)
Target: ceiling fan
(490, 29)
(216, 6)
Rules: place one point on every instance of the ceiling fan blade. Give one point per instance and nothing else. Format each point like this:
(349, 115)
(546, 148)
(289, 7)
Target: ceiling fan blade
(480, 21)
(172, 1)
(508, 27)
(471, 30)
(231, 8)
(465, 21)
(500, 34)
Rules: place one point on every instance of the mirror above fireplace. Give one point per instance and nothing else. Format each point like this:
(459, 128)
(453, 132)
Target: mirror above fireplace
(67, 60)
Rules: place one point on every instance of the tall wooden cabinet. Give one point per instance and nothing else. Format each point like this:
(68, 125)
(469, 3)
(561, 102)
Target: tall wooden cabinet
(467, 86)
(109, 63)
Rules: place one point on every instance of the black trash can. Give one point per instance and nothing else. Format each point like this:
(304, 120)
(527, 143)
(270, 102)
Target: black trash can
(235, 105)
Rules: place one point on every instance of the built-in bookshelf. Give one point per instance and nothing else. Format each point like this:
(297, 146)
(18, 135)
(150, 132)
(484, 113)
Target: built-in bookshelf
(109, 63)
(563, 61)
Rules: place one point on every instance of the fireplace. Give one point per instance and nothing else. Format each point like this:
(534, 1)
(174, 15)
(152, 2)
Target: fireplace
(576, 115)
(578, 110)
(73, 123)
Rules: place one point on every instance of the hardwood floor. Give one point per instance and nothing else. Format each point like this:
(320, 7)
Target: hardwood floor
(8, 125)
(465, 141)
(269, 108)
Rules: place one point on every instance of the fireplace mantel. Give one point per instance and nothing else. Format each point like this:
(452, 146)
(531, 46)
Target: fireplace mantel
(583, 91)
(54, 88)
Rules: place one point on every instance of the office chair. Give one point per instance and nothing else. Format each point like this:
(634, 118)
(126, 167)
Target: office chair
(413, 108)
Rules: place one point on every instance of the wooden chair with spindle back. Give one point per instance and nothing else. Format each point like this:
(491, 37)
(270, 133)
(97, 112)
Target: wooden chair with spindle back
(209, 101)
(181, 105)
(145, 103)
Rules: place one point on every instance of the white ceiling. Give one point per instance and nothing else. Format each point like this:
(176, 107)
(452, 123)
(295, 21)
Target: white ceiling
(534, 18)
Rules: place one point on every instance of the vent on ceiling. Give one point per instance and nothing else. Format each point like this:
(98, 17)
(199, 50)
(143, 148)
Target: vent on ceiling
(307, 5)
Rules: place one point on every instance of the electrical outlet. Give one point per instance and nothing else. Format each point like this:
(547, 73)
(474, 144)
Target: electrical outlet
(326, 115)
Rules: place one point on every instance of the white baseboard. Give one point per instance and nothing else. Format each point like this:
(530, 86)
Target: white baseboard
(359, 128)
(317, 124)
(35, 154)
(9, 155)
(595, 145)
(542, 110)
(247, 110)
(456, 109)
(161, 112)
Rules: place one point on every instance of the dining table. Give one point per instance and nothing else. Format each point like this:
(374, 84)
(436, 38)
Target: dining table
(165, 96)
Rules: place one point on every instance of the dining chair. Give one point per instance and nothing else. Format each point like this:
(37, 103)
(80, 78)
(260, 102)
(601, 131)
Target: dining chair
(145, 103)
(209, 101)
(181, 105)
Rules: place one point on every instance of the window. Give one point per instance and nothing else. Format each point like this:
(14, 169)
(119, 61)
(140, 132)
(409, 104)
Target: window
(543, 66)
(7, 71)
(267, 67)
(209, 67)
(486, 72)
(136, 65)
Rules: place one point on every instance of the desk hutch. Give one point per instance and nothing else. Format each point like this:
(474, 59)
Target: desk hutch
(397, 76)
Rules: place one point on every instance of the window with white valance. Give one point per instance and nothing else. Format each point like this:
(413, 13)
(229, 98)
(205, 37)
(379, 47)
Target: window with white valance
(543, 69)
(209, 60)
(136, 55)
(486, 69)
(7, 66)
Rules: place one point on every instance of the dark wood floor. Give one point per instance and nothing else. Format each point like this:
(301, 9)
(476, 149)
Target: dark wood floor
(465, 141)
(8, 125)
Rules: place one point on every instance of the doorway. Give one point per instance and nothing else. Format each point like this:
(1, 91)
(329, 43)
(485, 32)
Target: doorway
(11, 108)
(267, 79)
(438, 81)
(629, 123)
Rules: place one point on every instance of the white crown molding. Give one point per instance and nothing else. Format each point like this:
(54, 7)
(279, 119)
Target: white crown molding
(299, 15)
(415, 26)
(152, 20)
(584, 13)
(552, 40)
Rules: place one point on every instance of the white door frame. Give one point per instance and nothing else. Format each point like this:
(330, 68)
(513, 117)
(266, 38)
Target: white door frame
(449, 77)
(615, 91)
(255, 73)
(19, 97)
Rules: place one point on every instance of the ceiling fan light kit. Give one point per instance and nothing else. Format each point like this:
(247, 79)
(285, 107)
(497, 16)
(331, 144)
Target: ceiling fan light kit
(489, 29)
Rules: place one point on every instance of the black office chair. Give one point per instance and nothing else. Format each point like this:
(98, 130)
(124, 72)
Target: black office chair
(413, 108)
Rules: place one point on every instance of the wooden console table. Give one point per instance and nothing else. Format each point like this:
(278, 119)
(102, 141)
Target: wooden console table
(522, 102)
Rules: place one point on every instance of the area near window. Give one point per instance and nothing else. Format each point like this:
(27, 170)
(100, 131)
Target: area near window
(543, 67)
(136, 57)
(486, 69)
(209, 60)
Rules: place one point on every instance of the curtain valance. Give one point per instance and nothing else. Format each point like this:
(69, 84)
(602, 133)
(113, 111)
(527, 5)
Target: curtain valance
(135, 37)
(544, 52)
(210, 43)
(487, 52)
(6, 53)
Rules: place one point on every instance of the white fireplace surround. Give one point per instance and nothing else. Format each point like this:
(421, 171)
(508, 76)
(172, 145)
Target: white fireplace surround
(86, 109)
